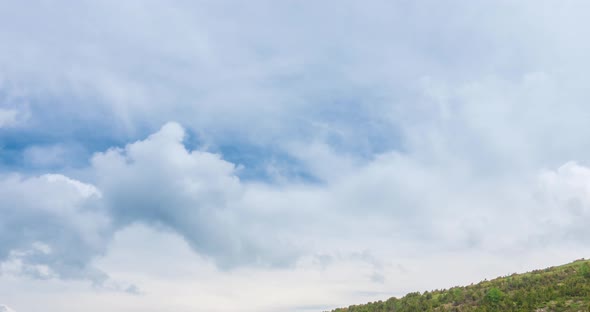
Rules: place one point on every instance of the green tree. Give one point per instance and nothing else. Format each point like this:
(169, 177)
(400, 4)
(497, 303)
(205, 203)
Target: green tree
(494, 297)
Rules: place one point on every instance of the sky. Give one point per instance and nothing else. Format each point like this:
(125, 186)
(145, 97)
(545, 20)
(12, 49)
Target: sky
(286, 155)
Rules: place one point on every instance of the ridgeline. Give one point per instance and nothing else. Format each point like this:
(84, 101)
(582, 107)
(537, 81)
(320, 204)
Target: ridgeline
(560, 288)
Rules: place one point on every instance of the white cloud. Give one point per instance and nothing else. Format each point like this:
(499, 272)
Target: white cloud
(566, 194)
(4, 308)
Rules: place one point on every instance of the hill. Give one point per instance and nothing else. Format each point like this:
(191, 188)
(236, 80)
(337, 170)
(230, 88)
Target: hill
(560, 288)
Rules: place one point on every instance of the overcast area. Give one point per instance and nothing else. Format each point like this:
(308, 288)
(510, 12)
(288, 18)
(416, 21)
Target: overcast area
(286, 155)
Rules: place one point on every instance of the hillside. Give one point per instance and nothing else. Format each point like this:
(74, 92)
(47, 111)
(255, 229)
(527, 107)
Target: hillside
(560, 288)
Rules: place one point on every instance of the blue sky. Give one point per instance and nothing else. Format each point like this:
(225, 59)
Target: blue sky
(286, 156)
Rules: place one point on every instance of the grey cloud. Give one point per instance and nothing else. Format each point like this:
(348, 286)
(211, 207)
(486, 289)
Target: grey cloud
(287, 79)
(355, 81)
(194, 193)
(478, 92)
(52, 226)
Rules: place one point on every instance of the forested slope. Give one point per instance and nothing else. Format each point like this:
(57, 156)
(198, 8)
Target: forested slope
(561, 288)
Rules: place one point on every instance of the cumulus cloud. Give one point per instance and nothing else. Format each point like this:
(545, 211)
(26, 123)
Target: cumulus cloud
(52, 226)
(194, 193)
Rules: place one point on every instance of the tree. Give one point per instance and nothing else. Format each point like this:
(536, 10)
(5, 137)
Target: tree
(585, 270)
(494, 297)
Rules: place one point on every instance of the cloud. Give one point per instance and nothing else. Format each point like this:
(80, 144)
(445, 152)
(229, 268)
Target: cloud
(373, 80)
(51, 226)
(197, 194)
(4, 308)
(54, 226)
(340, 79)
(566, 194)
(356, 210)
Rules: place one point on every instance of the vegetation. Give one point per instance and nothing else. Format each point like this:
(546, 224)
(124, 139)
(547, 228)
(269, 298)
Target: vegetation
(561, 288)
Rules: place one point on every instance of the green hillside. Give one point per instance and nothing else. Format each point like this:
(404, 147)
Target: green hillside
(561, 288)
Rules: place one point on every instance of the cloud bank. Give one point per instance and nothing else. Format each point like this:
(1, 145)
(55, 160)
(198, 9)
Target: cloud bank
(55, 226)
